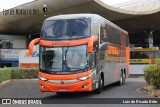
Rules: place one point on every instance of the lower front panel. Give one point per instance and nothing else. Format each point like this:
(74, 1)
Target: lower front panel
(80, 86)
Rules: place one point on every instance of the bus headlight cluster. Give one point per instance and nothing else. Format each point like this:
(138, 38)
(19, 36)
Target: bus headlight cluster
(83, 78)
(86, 77)
(41, 78)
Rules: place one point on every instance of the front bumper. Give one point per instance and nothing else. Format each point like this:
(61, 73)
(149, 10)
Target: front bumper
(80, 86)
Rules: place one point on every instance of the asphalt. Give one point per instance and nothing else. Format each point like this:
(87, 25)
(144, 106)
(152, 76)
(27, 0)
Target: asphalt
(29, 89)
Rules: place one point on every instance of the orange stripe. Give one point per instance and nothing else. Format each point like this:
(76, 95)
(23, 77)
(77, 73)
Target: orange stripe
(128, 59)
(68, 42)
(91, 41)
(88, 41)
(64, 43)
(29, 65)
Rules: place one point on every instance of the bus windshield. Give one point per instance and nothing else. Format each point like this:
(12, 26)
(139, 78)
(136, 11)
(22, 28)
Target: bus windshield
(66, 28)
(64, 59)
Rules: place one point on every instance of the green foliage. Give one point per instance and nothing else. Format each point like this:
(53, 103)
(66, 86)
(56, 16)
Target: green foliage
(17, 73)
(152, 74)
(4, 74)
(23, 73)
(158, 62)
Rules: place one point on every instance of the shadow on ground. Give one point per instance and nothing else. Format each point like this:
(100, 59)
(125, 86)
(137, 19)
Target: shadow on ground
(81, 94)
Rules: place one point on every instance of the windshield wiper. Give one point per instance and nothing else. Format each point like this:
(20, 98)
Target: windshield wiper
(82, 69)
(51, 69)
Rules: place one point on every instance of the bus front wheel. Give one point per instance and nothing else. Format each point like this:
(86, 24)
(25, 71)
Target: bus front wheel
(100, 85)
(124, 78)
(121, 79)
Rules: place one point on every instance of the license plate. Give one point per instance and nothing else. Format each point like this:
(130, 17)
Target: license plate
(62, 90)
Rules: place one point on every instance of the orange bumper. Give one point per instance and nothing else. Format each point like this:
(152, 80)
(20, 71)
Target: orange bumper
(75, 87)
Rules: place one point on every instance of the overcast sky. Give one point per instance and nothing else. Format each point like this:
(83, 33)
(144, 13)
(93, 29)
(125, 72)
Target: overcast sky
(7, 4)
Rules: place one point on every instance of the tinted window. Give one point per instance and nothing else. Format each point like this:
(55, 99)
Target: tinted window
(66, 29)
(142, 55)
(157, 54)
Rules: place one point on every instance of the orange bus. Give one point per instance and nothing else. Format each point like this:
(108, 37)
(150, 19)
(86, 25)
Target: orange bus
(81, 52)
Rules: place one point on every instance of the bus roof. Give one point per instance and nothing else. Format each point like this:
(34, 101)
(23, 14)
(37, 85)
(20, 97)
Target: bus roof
(73, 16)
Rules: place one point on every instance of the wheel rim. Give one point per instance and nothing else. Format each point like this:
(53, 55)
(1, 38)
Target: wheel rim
(123, 78)
(101, 83)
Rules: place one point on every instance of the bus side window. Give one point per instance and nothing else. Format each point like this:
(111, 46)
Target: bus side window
(103, 33)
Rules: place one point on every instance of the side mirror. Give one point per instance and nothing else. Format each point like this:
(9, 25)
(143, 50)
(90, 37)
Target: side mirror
(91, 43)
(96, 45)
(31, 45)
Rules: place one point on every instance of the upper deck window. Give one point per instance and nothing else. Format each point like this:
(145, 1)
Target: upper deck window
(66, 28)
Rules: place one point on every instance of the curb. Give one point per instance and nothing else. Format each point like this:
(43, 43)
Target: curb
(2, 84)
(23, 79)
(136, 75)
(147, 92)
(141, 91)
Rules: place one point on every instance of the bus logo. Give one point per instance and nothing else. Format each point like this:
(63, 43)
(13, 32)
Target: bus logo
(62, 82)
(60, 43)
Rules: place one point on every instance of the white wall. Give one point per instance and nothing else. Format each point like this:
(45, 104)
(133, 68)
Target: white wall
(137, 69)
(26, 61)
(19, 42)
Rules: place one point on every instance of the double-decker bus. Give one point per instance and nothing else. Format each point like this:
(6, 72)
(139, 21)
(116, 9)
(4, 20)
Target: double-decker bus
(141, 57)
(81, 52)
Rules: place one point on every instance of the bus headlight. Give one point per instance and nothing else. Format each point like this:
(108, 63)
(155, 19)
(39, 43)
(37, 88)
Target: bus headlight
(86, 77)
(83, 78)
(41, 78)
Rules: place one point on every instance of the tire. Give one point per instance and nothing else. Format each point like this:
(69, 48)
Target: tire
(100, 85)
(120, 82)
(124, 78)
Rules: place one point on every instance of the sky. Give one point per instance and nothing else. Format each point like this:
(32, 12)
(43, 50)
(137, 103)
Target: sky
(7, 4)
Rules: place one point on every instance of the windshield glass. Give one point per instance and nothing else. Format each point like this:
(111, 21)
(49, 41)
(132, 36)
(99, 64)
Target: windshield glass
(66, 29)
(57, 59)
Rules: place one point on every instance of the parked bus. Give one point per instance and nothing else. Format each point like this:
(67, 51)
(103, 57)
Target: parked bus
(81, 52)
(141, 57)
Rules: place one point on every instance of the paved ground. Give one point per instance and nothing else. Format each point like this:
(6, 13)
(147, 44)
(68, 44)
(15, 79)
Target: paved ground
(29, 89)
